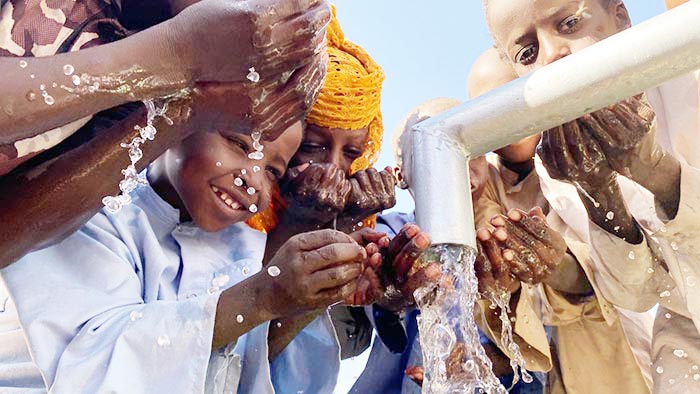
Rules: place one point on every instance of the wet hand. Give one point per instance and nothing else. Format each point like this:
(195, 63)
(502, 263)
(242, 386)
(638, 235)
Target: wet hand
(311, 271)
(624, 133)
(371, 192)
(570, 154)
(416, 374)
(521, 248)
(316, 192)
(272, 36)
(369, 287)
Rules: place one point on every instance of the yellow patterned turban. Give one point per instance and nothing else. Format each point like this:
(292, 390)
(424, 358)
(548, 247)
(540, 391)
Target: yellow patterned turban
(349, 100)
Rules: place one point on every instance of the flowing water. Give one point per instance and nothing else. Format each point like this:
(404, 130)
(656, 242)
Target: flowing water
(453, 357)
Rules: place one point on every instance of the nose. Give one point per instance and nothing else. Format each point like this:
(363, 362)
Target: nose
(253, 179)
(335, 157)
(552, 49)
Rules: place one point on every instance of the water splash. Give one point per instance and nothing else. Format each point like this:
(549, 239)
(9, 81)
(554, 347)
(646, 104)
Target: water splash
(454, 359)
(517, 361)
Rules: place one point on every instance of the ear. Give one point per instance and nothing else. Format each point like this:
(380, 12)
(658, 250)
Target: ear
(622, 17)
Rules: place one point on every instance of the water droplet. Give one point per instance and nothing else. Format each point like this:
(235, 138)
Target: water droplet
(256, 169)
(44, 93)
(68, 69)
(695, 368)
(251, 190)
(23, 64)
(42, 87)
(674, 245)
(665, 294)
(148, 133)
(650, 270)
(279, 324)
(659, 369)
(163, 341)
(245, 271)
(360, 224)
(244, 171)
(680, 353)
(135, 315)
(239, 318)
(31, 96)
(54, 85)
(32, 76)
(273, 271)
(238, 181)
(112, 204)
(253, 208)
(616, 228)
(218, 164)
(668, 315)
(469, 365)
(76, 80)
(256, 155)
(610, 215)
(253, 75)
(220, 281)
(631, 256)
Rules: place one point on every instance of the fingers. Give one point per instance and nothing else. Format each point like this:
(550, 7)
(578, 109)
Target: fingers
(318, 239)
(416, 374)
(484, 272)
(335, 276)
(368, 235)
(330, 255)
(409, 254)
(546, 152)
(400, 240)
(336, 295)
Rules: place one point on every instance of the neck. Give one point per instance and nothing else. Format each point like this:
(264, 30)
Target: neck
(159, 180)
(523, 169)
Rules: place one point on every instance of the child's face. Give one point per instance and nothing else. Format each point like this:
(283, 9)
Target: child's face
(216, 181)
(534, 33)
(334, 146)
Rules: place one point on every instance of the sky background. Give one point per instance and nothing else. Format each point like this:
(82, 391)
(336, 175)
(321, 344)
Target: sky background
(426, 48)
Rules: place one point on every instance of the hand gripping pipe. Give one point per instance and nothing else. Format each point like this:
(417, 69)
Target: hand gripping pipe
(621, 66)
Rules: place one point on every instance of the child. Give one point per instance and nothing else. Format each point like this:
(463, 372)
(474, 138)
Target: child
(586, 342)
(657, 238)
(338, 188)
(168, 295)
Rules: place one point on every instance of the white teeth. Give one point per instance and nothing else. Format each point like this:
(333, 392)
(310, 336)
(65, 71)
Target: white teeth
(215, 189)
(228, 202)
(236, 205)
(224, 196)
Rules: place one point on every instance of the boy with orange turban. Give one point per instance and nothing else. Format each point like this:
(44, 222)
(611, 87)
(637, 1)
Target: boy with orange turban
(331, 185)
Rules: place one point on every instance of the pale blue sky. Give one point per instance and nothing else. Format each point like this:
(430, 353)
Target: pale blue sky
(426, 48)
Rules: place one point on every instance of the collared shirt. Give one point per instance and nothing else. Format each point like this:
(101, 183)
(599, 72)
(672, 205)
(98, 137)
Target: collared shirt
(127, 305)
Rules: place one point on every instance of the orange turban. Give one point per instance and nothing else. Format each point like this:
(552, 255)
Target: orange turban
(349, 100)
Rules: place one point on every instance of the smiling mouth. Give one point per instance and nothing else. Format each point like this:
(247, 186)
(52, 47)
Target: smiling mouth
(227, 199)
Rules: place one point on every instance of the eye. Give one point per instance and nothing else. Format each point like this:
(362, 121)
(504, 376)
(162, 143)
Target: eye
(275, 173)
(570, 24)
(311, 147)
(527, 55)
(352, 152)
(239, 143)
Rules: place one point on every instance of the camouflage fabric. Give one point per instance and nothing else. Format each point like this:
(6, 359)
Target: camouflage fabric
(35, 28)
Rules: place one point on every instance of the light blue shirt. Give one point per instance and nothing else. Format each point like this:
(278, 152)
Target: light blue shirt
(127, 305)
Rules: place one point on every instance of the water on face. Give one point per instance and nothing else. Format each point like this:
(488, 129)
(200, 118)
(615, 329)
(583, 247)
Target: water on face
(453, 357)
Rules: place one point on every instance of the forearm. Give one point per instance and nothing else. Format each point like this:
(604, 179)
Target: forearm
(237, 313)
(569, 278)
(131, 69)
(284, 330)
(48, 202)
(606, 208)
(663, 179)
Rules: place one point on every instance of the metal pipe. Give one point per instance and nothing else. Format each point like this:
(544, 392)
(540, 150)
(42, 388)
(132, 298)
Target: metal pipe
(628, 63)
